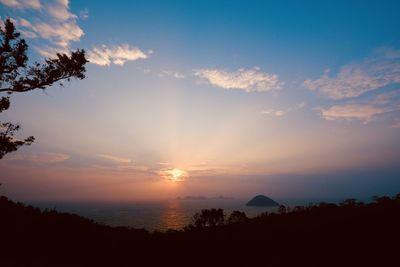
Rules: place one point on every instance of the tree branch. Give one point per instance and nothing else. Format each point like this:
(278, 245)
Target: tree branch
(41, 85)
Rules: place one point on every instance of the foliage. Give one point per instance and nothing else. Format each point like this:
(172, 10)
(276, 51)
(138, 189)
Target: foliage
(237, 217)
(209, 218)
(8, 143)
(326, 234)
(282, 209)
(16, 77)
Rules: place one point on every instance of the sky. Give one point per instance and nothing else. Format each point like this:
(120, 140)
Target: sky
(291, 99)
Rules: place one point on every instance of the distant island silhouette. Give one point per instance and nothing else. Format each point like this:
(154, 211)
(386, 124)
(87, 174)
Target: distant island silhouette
(194, 198)
(201, 198)
(262, 201)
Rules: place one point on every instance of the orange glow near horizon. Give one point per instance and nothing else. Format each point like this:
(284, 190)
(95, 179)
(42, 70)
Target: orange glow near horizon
(176, 175)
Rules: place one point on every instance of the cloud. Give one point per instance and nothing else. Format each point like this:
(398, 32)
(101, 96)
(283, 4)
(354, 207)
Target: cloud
(382, 103)
(34, 4)
(24, 23)
(300, 105)
(60, 10)
(281, 113)
(389, 99)
(251, 80)
(84, 14)
(138, 168)
(61, 34)
(118, 55)
(40, 158)
(174, 74)
(267, 112)
(28, 34)
(277, 113)
(115, 158)
(356, 79)
(176, 175)
(396, 125)
(52, 22)
(49, 51)
(363, 112)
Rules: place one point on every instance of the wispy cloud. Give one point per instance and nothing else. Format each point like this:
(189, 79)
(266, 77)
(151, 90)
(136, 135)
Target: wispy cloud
(118, 54)
(363, 112)
(175, 74)
(283, 112)
(382, 103)
(115, 159)
(277, 113)
(84, 14)
(22, 4)
(53, 22)
(356, 79)
(251, 80)
(396, 125)
(300, 105)
(59, 34)
(40, 158)
(175, 174)
(280, 113)
(60, 10)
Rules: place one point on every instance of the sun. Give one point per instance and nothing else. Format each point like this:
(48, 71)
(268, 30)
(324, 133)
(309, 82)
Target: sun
(176, 175)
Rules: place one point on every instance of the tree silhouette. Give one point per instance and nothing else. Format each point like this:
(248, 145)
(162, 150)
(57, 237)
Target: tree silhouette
(350, 202)
(209, 218)
(237, 217)
(282, 209)
(17, 77)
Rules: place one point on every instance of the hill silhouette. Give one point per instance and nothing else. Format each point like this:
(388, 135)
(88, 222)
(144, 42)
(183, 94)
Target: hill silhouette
(262, 201)
(349, 234)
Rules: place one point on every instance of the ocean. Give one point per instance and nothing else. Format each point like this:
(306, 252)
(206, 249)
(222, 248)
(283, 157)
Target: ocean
(155, 215)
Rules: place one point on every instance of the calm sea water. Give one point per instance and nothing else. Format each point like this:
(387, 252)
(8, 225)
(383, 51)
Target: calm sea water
(171, 214)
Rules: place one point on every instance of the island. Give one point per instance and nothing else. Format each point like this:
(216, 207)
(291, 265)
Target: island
(202, 198)
(194, 198)
(262, 201)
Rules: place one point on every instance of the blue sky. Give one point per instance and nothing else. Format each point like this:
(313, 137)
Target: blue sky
(190, 97)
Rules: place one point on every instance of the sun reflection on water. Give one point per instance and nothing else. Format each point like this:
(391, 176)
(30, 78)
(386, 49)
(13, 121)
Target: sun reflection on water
(173, 216)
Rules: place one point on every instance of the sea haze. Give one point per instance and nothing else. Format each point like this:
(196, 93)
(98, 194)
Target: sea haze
(155, 215)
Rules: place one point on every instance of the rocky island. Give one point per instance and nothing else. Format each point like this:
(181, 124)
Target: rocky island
(262, 201)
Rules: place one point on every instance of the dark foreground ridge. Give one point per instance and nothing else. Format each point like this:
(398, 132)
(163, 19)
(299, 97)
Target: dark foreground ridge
(349, 234)
(262, 201)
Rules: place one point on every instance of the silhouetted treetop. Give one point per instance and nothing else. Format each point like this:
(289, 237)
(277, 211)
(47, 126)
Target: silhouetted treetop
(8, 142)
(237, 217)
(4, 103)
(16, 76)
(209, 218)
